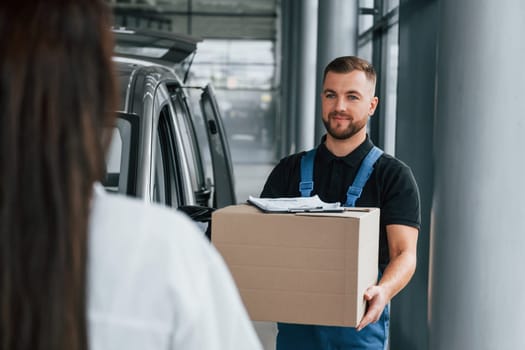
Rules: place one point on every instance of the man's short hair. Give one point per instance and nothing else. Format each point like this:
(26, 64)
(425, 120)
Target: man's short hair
(347, 64)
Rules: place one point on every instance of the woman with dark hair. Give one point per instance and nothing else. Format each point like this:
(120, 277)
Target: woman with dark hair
(81, 268)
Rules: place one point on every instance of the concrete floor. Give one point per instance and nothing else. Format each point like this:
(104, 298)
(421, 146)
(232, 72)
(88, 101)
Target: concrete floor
(267, 331)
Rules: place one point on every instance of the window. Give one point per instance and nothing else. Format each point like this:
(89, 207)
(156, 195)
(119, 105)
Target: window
(191, 145)
(113, 162)
(379, 43)
(166, 188)
(121, 156)
(243, 74)
(161, 178)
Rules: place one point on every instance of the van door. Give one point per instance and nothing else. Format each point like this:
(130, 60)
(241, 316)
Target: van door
(224, 191)
(185, 122)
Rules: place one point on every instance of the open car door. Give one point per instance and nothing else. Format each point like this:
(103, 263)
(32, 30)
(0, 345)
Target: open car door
(224, 191)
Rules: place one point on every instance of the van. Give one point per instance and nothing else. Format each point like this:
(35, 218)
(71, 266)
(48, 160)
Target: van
(155, 153)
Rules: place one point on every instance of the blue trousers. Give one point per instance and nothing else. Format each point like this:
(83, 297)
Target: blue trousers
(310, 337)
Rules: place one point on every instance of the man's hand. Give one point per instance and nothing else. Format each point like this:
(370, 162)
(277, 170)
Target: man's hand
(402, 246)
(377, 299)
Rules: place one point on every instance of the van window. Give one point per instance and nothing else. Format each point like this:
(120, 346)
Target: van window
(167, 187)
(191, 146)
(121, 155)
(113, 161)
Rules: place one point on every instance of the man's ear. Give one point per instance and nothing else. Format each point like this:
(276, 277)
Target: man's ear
(373, 105)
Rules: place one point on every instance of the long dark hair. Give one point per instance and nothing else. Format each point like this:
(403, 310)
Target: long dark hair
(57, 92)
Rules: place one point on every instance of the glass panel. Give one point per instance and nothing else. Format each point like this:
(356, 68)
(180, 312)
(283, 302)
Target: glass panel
(174, 5)
(220, 150)
(234, 64)
(190, 143)
(365, 51)
(114, 154)
(200, 131)
(180, 24)
(148, 52)
(365, 21)
(233, 6)
(249, 121)
(118, 156)
(162, 5)
(390, 88)
(389, 5)
(113, 162)
(243, 75)
(159, 180)
(123, 80)
(129, 19)
(234, 27)
(166, 186)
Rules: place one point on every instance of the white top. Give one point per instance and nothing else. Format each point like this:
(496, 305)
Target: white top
(156, 283)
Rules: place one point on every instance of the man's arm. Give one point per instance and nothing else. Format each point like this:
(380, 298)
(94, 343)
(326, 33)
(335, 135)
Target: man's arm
(402, 245)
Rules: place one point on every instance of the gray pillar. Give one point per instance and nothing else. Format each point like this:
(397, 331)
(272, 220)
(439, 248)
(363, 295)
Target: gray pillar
(478, 229)
(289, 74)
(306, 79)
(414, 141)
(337, 36)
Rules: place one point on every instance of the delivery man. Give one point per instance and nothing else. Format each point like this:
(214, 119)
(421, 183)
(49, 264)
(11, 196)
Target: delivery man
(346, 167)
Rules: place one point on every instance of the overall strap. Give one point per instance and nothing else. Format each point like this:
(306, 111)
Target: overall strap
(364, 172)
(306, 185)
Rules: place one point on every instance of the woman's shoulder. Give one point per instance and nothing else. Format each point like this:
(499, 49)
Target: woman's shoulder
(124, 228)
(120, 213)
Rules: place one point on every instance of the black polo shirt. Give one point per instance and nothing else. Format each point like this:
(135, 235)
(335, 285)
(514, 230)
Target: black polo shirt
(391, 186)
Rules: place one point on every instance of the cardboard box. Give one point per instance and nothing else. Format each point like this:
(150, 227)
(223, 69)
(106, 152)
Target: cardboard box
(308, 268)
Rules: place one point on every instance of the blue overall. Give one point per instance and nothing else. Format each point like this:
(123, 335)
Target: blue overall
(313, 337)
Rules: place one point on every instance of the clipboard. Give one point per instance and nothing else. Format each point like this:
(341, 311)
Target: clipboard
(295, 205)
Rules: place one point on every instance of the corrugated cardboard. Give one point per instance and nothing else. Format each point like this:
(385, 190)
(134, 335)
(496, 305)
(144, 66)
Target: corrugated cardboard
(300, 268)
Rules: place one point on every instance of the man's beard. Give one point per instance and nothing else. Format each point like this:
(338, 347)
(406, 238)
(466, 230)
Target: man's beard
(352, 129)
